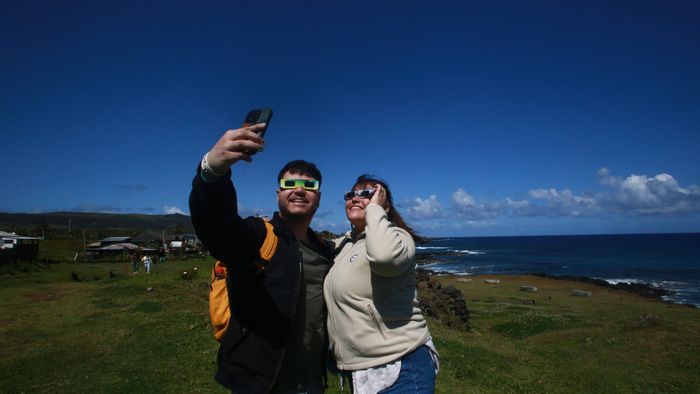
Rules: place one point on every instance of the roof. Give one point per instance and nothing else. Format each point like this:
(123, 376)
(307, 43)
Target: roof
(120, 246)
(146, 238)
(115, 239)
(5, 234)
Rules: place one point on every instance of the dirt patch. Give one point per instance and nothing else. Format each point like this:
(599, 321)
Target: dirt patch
(43, 295)
(9, 350)
(6, 322)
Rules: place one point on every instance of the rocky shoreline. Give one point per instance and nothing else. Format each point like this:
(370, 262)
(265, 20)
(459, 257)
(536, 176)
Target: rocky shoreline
(646, 290)
(643, 289)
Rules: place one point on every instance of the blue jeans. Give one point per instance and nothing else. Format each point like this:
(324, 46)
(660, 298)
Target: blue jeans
(417, 374)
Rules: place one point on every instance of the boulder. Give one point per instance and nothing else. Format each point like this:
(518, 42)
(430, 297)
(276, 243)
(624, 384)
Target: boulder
(581, 293)
(445, 304)
(434, 284)
(529, 289)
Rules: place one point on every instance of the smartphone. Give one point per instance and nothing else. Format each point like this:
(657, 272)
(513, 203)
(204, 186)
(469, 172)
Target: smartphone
(261, 115)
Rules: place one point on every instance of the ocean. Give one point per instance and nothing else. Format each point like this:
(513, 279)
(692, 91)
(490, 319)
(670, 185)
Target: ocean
(670, 261)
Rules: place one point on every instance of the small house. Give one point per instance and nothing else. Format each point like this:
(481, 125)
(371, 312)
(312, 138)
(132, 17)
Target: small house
(15, 247)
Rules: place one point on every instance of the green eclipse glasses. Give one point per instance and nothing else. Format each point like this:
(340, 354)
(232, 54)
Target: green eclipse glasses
(306, 184)
(365, 193)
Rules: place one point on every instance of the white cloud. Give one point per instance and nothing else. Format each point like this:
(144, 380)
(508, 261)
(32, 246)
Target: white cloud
(463, 200)
(173, 210)
(605, 178)
(639, 194)
(245, 211)
(519, 208)
(424, 209)
(633, 195)
(564, 202)
(467, 207)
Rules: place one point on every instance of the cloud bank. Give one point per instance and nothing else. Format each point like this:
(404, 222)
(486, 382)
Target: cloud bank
(635, 195)
(173, 210)
(428, 208)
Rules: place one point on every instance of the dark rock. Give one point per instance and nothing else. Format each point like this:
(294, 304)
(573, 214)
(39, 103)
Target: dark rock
(422, 275)
(461, 310)
(445, 304)
(643, 289)
(434, 284)
(450, 290)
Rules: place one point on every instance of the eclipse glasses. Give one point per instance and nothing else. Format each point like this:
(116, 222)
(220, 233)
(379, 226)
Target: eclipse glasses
(306, 184)
(364, 193)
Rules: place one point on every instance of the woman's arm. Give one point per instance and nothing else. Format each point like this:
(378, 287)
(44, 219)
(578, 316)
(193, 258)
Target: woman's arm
(390, 249)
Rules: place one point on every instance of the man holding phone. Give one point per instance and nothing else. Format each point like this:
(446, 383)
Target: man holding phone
(276, 339)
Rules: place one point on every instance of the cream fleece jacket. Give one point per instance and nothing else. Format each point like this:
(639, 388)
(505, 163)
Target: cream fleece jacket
(373, 314)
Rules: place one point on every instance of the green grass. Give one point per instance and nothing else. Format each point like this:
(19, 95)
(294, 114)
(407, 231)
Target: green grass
(106, 334)
(612, 342)
(151, 333)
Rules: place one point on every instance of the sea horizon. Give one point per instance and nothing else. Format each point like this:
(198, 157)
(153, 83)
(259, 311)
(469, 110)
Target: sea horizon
(560, 235)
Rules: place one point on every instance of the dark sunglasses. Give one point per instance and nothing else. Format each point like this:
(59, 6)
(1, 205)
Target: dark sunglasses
(306, 184)
(365, 193)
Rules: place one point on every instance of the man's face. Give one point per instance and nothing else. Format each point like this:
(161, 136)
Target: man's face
(297, 203)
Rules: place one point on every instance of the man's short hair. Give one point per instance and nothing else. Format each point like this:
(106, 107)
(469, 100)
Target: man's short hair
(301, 167)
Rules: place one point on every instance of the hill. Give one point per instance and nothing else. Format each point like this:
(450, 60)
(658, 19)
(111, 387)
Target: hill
(91, 220)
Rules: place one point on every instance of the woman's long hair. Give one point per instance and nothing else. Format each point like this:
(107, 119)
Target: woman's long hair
(393, 214)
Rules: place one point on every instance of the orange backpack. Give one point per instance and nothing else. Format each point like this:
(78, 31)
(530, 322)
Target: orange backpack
(219, 309)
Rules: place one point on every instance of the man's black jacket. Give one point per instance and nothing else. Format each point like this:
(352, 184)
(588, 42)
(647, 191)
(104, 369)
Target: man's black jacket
(262, 303)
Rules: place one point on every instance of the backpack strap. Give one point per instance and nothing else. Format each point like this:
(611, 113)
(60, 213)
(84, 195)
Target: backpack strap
(268, 248)
(341, 245)
(219, 307)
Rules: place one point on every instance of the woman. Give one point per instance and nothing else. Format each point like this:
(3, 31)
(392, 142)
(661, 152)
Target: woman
(377, 332)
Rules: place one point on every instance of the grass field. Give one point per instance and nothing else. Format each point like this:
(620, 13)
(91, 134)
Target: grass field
(150, 333)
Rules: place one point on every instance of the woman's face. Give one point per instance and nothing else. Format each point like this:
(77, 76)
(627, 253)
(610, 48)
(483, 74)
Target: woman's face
(355, 206)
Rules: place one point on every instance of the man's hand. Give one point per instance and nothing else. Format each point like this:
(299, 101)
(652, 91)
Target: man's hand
(235, 145)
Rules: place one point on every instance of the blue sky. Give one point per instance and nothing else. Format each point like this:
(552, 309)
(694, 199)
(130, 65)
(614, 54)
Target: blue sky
(486, 118)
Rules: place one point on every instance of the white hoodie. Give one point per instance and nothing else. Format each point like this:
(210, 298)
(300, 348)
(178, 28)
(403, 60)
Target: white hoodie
(373, 314)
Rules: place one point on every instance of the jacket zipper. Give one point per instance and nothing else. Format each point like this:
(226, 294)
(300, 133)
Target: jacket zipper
(373, 316)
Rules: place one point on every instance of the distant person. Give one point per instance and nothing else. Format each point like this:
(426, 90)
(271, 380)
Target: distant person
(377, 332)
(135, 262)
(147, 263)
(276, 339)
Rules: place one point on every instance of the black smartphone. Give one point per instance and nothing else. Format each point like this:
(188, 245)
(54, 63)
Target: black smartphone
(261, 115)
